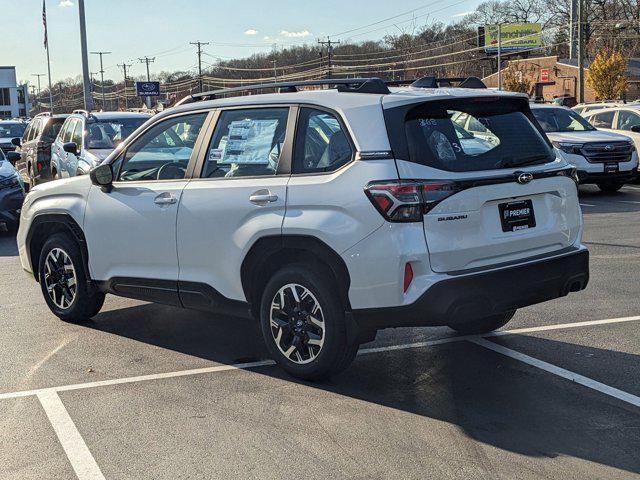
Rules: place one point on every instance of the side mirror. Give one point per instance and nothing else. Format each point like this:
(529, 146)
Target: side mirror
(16, 141)
(102, 176)
(70, 147)
(635, 128)
(13, 157)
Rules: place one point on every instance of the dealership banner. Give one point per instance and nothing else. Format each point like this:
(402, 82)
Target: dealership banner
(515, 37)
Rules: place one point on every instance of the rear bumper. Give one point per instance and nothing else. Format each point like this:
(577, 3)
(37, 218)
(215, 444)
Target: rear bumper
(460, 298)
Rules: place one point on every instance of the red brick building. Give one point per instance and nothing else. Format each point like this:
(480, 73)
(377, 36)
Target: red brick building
(553, 77)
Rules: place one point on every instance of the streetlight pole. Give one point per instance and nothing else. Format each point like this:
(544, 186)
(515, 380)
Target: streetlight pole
(101, 75)
(86, 86)
(500, 56)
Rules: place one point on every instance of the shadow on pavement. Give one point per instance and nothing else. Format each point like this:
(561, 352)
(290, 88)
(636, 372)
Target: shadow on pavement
(492, 399)
(8, 245)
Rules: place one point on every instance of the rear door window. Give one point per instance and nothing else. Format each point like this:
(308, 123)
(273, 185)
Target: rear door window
(467, 136)
(627, 120)
(246, 142)
(68, 130)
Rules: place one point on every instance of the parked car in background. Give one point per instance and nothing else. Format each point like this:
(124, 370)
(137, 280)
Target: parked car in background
(88, 138)
(566, 101)
(607, 159)
(10, 129)
(583, 108)
(11, 192)
(34, 147)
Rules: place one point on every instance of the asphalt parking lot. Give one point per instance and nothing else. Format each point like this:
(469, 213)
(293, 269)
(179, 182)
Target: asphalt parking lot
(147, 391)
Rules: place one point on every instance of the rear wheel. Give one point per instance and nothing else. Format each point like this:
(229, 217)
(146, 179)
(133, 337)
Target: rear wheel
(63, 280)
(610, 187)
(483, 325)
(303, 323)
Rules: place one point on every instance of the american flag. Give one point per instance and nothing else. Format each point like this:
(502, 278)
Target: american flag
(44, 22)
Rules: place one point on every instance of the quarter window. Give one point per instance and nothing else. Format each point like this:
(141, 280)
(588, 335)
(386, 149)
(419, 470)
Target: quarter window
(76, 136)
(321, 143)
(246, 143)
(627, 120)
(68, 131)
(162, 152)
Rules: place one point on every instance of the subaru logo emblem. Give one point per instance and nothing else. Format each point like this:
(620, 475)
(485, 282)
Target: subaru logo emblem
(608, 148)
(524, 178)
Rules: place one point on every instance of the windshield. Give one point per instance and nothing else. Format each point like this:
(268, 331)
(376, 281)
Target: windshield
(12, 130)
(554, 120)
(473, 135)
(108, 134)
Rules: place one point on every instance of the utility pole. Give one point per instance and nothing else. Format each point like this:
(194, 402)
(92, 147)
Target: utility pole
(573, 29)
(500, 56)
(275, 72)
(38, 75)
(147, 61)
(199, 44)
(101, 75)
(87, 88)
(581, 51)
(124, 66)
(329, 44)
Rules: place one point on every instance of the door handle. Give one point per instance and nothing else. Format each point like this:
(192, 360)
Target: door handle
(165, 199)
(262, 197)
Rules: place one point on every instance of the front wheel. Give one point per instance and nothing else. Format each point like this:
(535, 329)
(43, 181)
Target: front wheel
(303, 323)
(63, 280)
(483, 325)
(610, 187)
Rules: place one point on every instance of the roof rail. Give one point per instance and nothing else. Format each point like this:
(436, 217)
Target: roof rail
(81, 111)
(42, 114)
(434, 82)
(355, 85)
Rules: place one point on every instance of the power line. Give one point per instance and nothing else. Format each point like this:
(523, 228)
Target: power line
(329, 44)
(101, 73)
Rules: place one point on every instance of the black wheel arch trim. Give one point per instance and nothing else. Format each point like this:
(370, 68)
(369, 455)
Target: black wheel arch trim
(70, 225)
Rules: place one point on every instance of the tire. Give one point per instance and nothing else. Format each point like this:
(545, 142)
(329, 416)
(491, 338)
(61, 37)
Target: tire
(330, 352)
(66, 302)
(483, 325)
(610, 187)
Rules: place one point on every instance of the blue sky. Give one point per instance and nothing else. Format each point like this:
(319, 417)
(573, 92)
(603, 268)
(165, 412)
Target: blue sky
(164, 28)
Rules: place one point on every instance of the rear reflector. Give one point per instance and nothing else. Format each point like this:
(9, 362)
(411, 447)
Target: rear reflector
(408, 276)
(39, 166)
(408, 200)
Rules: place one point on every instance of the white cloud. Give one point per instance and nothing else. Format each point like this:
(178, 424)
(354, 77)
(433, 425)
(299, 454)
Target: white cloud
(266, 38)
(302, 33)
(251, 31)
(65, 3)
(464, 14)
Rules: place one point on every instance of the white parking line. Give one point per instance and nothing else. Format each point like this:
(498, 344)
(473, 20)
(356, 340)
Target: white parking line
(72, 442)
(561, 372)
(262, 363)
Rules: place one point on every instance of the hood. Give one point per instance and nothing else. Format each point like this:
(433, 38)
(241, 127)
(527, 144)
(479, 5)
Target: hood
(99, 154)
(589, 136)
(6, 169)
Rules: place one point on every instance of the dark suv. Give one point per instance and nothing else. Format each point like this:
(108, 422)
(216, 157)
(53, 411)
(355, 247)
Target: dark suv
(35, 147)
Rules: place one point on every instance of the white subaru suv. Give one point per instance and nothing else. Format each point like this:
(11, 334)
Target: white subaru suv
(607, 159)
(325, 214)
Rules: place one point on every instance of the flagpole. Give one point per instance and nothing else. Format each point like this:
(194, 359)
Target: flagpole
(50, 88)
(46, 47)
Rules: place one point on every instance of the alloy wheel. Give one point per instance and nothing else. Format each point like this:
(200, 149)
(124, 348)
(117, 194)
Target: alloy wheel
(297, 323)
(60, 278)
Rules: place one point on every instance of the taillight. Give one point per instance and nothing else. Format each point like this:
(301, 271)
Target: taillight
(408, 200)
(39, 165)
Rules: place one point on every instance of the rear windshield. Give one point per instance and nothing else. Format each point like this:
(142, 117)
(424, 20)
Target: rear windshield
(470, 135)
(561, 120)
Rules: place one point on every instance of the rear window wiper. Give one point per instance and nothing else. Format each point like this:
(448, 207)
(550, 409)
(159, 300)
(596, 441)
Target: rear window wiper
(525, 161)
